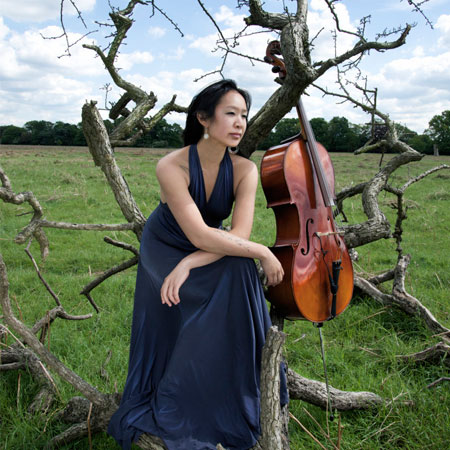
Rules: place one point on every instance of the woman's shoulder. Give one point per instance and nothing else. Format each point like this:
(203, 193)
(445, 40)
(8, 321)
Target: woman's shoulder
(173, 162)
(242, 166)
(174, 158)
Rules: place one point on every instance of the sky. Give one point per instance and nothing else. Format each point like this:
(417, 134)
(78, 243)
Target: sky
(37, 82)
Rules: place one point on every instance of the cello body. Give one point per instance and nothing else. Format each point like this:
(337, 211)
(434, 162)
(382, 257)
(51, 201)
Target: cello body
(307, 243)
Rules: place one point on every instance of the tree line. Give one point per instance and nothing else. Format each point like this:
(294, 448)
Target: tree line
(337, 134)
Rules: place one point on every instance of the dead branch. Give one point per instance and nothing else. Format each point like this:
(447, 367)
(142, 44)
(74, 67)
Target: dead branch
(330, 4)
(54, 313)
(356, 235)
(122, 23)
(85, 226)
(46, 321)
(315, 392)
(105, 275)
(123, 245)
(422, 176)
(124, 134)
(403, 301)
(8, 196)
(382, 277)
(47, 286)
(435, 354)
(439, 380)
(144, 125)
(103, 155)
(71, 377)
(271, 431)
(360, 48)
(417, 7)
(113, 270)
(33, 229)
(17, 357)
(85, 416)
(175, 25)
(258, 16)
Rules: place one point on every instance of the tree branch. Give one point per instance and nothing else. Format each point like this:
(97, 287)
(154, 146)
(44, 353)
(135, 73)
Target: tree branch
(315, 392)
(264, 19)
(68, 375)
(359, 48)
(103, 155)
(8, 196)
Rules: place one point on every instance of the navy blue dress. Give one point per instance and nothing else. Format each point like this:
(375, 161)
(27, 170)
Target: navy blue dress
(194, 368)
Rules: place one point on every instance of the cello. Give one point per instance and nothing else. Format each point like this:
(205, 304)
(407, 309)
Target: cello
(297, 178)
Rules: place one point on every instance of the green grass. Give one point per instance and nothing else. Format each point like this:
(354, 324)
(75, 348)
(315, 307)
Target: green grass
(361, 344)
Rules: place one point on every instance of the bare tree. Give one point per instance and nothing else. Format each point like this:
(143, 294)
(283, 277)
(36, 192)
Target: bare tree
(91, 412)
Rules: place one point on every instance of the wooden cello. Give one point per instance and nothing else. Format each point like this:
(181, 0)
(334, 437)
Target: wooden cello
(297, 177)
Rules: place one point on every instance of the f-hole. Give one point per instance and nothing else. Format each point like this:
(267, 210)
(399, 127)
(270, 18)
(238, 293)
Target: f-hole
(305, 252)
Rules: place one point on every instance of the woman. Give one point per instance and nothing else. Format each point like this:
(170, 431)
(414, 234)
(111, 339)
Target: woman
(200, 317)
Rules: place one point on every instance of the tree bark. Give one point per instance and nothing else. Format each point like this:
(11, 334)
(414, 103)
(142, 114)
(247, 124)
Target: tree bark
(103, 155)
(315, 392)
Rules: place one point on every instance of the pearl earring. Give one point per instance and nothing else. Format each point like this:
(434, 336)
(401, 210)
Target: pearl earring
(206, 135)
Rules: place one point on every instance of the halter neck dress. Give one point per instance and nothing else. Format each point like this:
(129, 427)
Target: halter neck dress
(194, 368)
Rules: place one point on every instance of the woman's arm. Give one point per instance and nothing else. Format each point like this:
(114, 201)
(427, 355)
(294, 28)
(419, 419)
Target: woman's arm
(175, 192)
(236, 244)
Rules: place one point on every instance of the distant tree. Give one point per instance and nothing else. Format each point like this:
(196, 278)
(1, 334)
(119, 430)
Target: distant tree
(287, 128)
(12, 134)
(342, 136)
(64, 133)
(2, 129)
(109, 124)
(422, 143)
(163, 134)
(439, 131)
(284, 129)
(404, 133)
(41, 132)
(338, 135)
(320, 128)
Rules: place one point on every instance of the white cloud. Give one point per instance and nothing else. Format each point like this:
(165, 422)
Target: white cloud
(175, 54)
(40, 10)
(443, 25)
(54, 98)
(230, 24)
(36, 84)
(229, 18)
(411, 90)
(31, 55)
(321, 22)
(126, 61)
(4, 30)
(157, 32)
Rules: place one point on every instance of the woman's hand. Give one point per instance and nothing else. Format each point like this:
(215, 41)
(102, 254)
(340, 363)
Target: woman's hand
(172, 283)
(272, 268)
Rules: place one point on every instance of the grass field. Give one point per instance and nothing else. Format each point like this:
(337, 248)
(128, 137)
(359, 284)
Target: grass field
(361, 344)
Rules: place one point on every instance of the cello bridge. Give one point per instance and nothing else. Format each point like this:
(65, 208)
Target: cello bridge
(329, 233)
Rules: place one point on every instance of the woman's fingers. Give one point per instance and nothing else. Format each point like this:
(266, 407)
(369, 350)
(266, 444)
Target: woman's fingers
(275, 274)
(170, 292)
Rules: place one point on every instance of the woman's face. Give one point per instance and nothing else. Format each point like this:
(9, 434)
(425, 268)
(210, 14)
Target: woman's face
(229, 122)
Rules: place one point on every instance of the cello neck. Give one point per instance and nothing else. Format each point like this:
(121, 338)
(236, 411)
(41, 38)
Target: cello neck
(327, 195)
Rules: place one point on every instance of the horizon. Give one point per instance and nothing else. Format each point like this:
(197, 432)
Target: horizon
(412, 81)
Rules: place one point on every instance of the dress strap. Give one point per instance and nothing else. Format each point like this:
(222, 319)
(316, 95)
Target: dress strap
(196, 186)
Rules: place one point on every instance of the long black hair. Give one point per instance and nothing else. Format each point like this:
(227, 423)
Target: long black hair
(205, 102)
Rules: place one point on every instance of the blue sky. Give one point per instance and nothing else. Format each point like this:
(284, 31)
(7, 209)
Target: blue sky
(413, 81)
